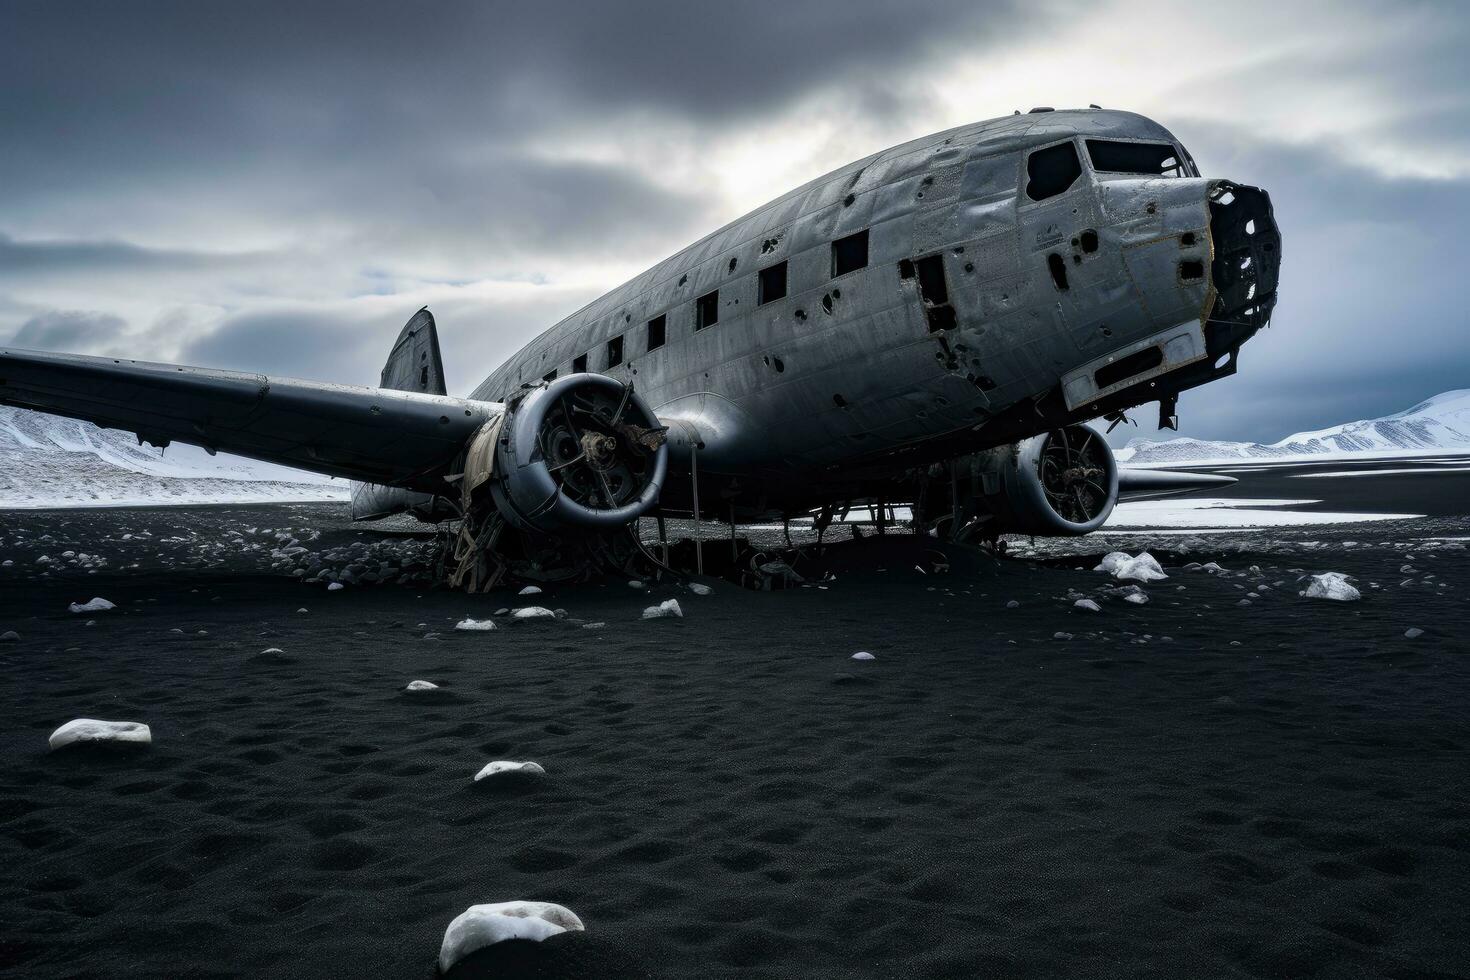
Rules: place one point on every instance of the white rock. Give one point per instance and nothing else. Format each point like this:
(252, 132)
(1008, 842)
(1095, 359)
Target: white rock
(484, 925)
(529, 590)
(270, 650)
(533, 612)
(96, 605)
(92, 730)
(1061, 635)
(1144, 568)
(421, 686)
(1413, 633)
(475, 624)
(863, 655)
(1332, 585)
(302, 609)
(699, 588)
(1013, 604)
(1111, 561)
(1087, 605)
(336, 587)
(503, 766)
(667, 608)
(1211, 567)
(9, 636)
(633, 583)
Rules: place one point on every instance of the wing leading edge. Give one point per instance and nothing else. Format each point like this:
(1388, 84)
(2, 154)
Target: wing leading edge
(398, 438)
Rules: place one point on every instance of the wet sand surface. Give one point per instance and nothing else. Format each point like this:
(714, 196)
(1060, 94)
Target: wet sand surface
(1188, 787)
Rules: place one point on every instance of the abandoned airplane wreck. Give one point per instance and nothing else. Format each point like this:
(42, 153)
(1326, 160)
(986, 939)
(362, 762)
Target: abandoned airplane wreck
(930, 325)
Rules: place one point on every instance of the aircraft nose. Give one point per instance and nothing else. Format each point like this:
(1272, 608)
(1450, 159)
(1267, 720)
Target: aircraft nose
(1246, 262)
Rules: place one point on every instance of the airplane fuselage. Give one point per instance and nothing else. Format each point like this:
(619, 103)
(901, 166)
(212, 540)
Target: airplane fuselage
(944, 296)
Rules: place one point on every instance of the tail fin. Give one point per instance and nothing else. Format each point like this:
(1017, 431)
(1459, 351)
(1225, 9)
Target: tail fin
(415, 363)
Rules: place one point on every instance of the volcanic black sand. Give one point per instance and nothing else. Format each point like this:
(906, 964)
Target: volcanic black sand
(1186, 788)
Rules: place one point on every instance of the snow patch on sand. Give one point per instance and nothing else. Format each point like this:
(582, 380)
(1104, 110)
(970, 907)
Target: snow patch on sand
(1220, 512)
(95, 730)
(1332, 585)
(502, 766)
(666, 609)
(484, 925)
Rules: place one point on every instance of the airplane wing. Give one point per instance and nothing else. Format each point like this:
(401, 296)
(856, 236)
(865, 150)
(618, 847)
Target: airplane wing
(1139, 484)
(400, 438)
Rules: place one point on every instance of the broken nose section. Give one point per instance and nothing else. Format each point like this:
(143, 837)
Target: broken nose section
(1245, 265)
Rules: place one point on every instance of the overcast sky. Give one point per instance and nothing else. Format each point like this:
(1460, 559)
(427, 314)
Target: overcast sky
(279, 187)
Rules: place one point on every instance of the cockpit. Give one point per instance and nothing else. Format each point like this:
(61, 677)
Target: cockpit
(1054, 169)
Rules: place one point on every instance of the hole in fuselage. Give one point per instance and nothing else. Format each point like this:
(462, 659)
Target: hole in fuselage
(1089, 241)
(1191, 270)
(1058, 267)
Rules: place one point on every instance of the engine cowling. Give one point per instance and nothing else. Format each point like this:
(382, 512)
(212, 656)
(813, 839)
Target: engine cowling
(1063, 482)
(583, 453)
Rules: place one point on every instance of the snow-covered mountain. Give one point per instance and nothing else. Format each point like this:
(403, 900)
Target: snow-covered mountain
(1440, 423)
(46, 461)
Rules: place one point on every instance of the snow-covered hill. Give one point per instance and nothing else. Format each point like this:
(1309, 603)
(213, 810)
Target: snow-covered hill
(46, 461)
(1440, 423)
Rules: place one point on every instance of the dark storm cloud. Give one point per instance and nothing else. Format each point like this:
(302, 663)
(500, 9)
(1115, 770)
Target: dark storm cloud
(68, 330)
(30, 258)
(184, 86)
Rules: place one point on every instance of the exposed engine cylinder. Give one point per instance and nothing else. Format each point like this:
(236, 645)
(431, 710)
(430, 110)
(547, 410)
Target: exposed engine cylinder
(1064, 482)
(583, 453)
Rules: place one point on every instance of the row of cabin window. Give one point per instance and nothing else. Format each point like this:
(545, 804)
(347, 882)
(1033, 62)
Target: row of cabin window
(848, 255)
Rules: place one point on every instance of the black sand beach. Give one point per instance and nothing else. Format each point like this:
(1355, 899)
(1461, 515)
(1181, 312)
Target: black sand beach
(1189, 787)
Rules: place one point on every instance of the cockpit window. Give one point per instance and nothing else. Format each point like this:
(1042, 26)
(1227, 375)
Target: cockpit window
(1051, 171)
(1149, 159)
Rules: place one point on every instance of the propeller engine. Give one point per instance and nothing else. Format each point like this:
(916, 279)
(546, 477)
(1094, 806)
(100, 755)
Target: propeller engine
(1063, 482)
(583, 453)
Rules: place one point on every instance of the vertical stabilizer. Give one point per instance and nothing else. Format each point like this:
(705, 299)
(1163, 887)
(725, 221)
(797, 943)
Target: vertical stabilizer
(415, 363)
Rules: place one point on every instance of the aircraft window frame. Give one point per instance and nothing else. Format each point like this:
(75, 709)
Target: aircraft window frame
(1029, 178)
(550, 376)
(843, 261)
(579, 364)
(613, 351)
(707, 310)
(657, 327)
(766, 288)
(1181, 168)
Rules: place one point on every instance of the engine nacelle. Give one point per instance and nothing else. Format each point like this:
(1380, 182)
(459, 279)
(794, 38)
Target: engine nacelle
(583, 453)
(1064, 482)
